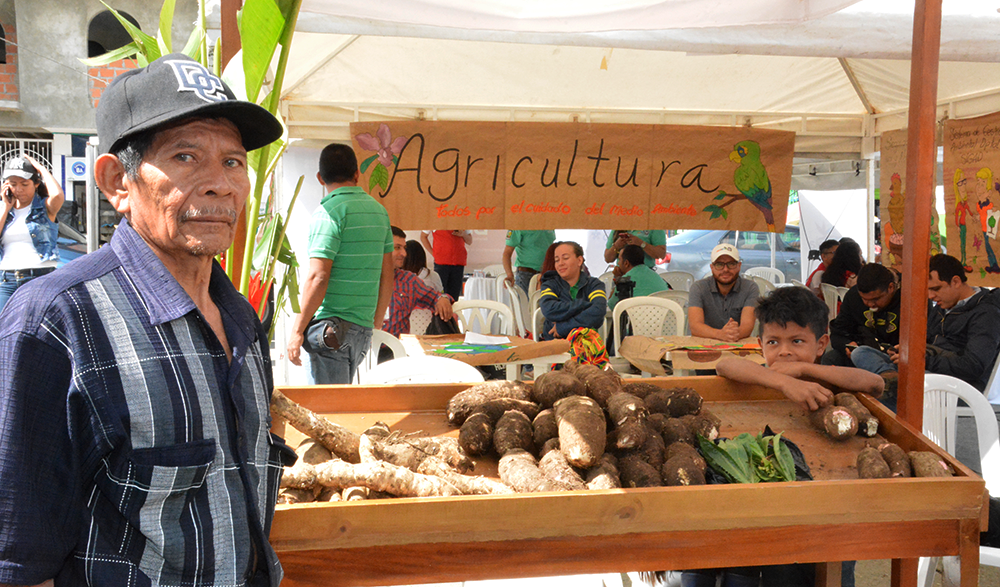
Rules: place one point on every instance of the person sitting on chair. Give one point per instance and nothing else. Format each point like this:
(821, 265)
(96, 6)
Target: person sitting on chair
(632, 267)
(721, 305)
(409, 292)
(570, 298)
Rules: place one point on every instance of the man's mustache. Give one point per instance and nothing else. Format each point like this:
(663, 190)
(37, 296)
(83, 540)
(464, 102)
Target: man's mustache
(211, 212)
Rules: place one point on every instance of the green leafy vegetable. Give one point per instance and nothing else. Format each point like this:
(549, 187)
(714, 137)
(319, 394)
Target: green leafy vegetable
(750, 459)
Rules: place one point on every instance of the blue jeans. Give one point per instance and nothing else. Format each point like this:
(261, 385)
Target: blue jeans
(8, 286)
(875, 361)
(339, 366)
(522, 279)
(451, 278)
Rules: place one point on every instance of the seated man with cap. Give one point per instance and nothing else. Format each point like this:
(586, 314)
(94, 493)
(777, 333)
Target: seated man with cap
(721, 305)
(137, 380)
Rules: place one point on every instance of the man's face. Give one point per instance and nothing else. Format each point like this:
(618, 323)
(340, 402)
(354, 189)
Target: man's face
(946, 294)
(398, 251)
(880, 298)
(191, 188)
(622, 262)
(725, 270)
(568, 264)
(828, 256)
(790, 343)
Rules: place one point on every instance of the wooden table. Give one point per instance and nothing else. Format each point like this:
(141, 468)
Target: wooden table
(836, 517)
(524, 352)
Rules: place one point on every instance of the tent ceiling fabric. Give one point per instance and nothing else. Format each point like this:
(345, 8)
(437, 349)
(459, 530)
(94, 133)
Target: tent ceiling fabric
(773, 76)
(577, 16)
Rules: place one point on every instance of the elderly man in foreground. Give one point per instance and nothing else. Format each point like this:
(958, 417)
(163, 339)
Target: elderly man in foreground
(136, 381)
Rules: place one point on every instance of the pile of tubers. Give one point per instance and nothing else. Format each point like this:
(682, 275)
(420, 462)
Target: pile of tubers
(881, 459)
(844, 418)
(584, 428)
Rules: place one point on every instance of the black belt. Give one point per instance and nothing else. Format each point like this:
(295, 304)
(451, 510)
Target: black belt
(527, 270)
(23, 273)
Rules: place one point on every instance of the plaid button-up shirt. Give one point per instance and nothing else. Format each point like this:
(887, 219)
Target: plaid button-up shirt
(132, 452)
(408, 292)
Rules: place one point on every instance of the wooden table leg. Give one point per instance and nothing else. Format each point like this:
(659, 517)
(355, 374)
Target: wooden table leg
(904, 572)
(968, 552)
(828, 574)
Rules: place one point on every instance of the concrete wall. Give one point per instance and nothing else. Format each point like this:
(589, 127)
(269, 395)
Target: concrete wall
(52, 36)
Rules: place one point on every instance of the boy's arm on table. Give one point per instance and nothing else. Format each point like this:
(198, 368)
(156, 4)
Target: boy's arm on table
(849, 379)
(808, 394)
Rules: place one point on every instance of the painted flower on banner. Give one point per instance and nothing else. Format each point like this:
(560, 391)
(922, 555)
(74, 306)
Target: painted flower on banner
(387, 150)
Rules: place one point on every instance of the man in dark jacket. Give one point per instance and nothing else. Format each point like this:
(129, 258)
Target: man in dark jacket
(570, 298)
(869, 316)
(962, 334)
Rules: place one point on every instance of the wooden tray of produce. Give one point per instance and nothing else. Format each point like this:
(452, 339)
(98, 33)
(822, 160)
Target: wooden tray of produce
(438, 539)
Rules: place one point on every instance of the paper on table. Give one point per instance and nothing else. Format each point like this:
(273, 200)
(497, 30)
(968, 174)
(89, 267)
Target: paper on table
(476, 338)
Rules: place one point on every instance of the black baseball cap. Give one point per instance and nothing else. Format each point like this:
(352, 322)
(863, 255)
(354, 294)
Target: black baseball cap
(20, 167)
(172, 88)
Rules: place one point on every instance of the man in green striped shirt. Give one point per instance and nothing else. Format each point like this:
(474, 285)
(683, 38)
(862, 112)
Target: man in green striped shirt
(349, 284)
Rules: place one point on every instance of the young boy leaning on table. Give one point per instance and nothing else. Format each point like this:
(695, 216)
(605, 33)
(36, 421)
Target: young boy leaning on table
(793, 336)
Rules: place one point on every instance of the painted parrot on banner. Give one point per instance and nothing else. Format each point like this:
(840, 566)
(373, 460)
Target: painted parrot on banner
(752, 181)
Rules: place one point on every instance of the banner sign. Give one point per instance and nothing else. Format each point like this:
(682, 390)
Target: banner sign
(892, 200)
(972, 195)
(513, 175)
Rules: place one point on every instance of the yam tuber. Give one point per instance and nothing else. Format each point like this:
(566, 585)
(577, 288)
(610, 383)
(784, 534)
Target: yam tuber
(682, 470)
(676, 430)
(545, 426)
(604, 475)
(635, 472)
(600, 384)
(555, 385)
(682, 448)
(582, 430)
(928, 464)
(895, 457)
(867, 423)
(628, 413)
(337, 439)
(476, 434)
(496, 408)
(838, 422)
(705, 424)
(871, 465)
(519, 470)
(465, 402)
(513, 430)
(555, 467)
(652, 451)
(640, 389)
(384, 477)
(290, 495)
(674, 402)
(408, 450)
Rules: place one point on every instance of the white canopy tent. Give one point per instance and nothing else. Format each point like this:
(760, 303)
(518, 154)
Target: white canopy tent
(838, 79)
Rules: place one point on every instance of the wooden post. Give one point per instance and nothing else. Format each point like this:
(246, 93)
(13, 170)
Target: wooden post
(230, 46)
(921, 160)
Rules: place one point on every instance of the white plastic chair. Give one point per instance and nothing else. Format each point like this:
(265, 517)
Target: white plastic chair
(608, 278)
(533, 283)
(679, 280)
(478, 316)
(420, 319)
(681, 297)
(422, 369)
(798, 283)
(941, 395)
(519, 306)
(775, 276)
(832, 296)
(649, 316)
(494, 270)
(379, 338)
(763, 284)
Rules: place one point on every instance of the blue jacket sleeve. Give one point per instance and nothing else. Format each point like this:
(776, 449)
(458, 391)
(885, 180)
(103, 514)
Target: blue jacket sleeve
(591, 314)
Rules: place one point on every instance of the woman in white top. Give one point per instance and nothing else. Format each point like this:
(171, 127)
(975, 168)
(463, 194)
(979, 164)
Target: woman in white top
(28, 227)
(416, 262)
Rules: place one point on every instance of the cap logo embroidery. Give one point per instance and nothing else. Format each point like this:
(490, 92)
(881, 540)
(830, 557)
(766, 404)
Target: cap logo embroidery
(193, 77)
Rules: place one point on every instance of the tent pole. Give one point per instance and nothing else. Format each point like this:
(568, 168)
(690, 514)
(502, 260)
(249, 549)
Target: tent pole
(870, 200)
(921, 158)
